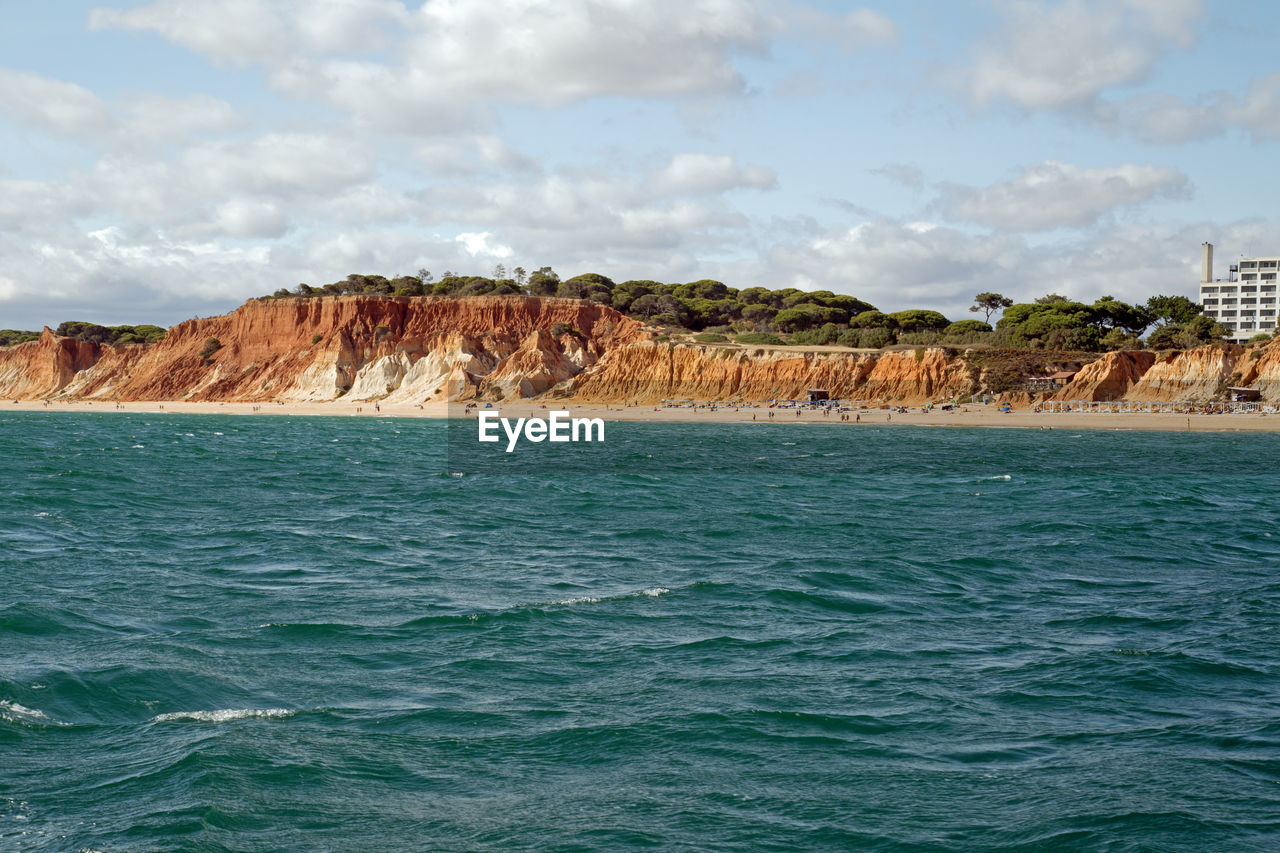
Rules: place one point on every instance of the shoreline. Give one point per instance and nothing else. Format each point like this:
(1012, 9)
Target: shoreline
(973, 415)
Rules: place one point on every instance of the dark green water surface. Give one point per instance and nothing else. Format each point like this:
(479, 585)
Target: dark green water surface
(263, 633)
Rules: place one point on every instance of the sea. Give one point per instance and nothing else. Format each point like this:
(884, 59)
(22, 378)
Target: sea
(264, 633)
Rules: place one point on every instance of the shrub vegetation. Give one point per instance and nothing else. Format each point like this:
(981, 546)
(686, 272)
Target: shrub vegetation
(759, 315)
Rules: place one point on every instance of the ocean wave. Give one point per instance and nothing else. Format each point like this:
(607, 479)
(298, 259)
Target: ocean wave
(224, 715)
(651, 592)
(14, 712)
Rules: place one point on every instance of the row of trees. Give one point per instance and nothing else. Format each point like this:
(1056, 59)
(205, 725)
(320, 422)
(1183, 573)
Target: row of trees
(91, 333)
(789, 315)
(1055, 322)
(785, 316)
(115, 335)
(693, 306)
(9, 337)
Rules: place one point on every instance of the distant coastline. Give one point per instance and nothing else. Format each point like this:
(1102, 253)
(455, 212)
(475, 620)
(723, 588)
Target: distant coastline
(414, 351)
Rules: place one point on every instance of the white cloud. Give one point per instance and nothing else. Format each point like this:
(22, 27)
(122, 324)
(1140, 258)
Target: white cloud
(1169, 119)
(711, 173)
(1259, 111)
(251, 218)
(1064, 55)
(1067, 55)
(244, 32)
(1162, 118)
(29, 207)
(469, 153)
(866, 26)
(1052, 195)
(251, 187)
(152, 117)
(432, 68)
(140, 122)
(589, 213)
(480, 244)
(285, 164)
(51, 105)
(896, 265)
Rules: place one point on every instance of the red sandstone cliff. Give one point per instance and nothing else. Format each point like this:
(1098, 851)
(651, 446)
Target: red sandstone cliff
(651, 371)
(1198, 375)
(409, 350)
(43, 367)
(323, 348)
(1109, 378)
(1259, 367)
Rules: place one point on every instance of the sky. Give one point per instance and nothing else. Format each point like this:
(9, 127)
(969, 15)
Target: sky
(169, 159)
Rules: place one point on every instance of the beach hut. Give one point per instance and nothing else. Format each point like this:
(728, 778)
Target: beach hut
(1243, 395)
(818, 395)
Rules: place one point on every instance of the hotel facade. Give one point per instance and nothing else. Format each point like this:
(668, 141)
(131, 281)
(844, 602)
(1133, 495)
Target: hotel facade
(1245, 301)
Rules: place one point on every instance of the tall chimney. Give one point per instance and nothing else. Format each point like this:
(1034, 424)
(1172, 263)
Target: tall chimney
(1206, 262)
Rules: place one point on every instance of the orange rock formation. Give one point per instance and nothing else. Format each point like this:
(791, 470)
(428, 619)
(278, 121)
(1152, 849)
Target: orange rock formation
(1109, 378)
(410, 350)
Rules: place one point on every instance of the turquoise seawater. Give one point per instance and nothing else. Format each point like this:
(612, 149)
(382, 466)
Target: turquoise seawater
(264, 633)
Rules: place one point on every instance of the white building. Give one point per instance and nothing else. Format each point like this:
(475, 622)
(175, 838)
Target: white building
(1245, 301)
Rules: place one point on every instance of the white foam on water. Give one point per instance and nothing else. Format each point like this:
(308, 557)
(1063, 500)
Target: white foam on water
(16, 713)
(138, 446)
(217, 433)
(41, 515)
(998, 477)
(224, 715)
(651, 592)
(586, 599)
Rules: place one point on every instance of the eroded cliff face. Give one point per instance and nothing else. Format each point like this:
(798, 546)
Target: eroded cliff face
(1109, 378)
(42, 367)
(1197, 375)
(1259, 368)
(413, 350)
(396, 348)
(652, 371)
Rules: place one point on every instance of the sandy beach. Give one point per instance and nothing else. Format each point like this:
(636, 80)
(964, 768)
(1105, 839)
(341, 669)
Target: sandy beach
(973, 415)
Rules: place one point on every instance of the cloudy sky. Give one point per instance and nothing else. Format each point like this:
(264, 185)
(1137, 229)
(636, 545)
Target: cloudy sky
(164, 159)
